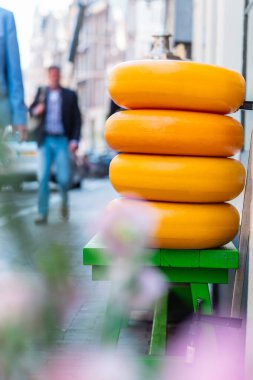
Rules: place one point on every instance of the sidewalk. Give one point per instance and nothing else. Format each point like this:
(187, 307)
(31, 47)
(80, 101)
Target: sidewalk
(84, 325)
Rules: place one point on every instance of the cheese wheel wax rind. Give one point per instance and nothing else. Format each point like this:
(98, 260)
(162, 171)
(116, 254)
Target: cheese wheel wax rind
(174, 133)
(177, 179)
(169, 84)
(189, 226)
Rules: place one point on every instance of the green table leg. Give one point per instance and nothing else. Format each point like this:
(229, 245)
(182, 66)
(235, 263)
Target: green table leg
(111, 327)
(201, 291)
(159, 328)
(113, 322)
(208, 340)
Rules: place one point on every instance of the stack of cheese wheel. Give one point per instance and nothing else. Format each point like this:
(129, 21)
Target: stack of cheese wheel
(174, 142)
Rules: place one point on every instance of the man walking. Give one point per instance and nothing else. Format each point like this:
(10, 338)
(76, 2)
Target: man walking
(58, 134)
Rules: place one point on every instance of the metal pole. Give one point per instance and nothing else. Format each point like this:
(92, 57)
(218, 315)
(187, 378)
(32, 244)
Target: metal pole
(245, 50)
(248, 7)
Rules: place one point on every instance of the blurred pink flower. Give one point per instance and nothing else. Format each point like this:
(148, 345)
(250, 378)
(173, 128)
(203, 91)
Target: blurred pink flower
(216, 355)
(65, 296)
(136, 287)
(122, 271)
(151, 286)
(20, 297)
(101, 365)
(126, 226)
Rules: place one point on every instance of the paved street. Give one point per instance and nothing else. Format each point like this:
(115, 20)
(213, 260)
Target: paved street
(82, 325)
(86, 204)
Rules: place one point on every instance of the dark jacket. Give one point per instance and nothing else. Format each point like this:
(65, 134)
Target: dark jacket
(113, 107)
(71, 116)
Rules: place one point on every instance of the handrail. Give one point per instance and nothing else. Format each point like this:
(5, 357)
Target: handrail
(247, 106)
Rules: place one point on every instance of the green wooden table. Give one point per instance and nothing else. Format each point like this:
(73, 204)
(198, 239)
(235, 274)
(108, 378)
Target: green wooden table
(197, 268)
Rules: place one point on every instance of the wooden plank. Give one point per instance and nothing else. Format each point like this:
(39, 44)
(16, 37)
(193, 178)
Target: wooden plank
(180, 258)
(94, 253)
(198, 275)
(99, 257)
(222, 257)
(236, 309)
(95, 256)
(225, 257)
(159, 327)
(180, 275)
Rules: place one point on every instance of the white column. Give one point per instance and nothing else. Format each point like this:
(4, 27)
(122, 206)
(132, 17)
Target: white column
(211, 31)
(199, 30)
(218, 32)
(230, 33)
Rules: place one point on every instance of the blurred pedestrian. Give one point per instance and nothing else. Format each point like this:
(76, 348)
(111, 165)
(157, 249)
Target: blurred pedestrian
(12, 107)
(58, 134)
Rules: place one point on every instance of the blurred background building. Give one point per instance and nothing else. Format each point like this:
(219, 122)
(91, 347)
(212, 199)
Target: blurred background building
(50, 40)
(89, 37)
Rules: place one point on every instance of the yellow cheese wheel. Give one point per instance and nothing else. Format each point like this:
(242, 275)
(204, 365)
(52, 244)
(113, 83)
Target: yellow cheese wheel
(168, 84)
(174, 132)
(177, 178)
(188, 226)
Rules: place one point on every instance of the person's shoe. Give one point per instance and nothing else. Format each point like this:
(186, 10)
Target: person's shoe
(65, 212)
(40, 220)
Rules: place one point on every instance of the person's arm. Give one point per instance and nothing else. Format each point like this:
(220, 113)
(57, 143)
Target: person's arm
(14, 77)
(37, 108)
(77, 122)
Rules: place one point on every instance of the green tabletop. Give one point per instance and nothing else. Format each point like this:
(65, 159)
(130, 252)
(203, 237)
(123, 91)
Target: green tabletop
(94, 253)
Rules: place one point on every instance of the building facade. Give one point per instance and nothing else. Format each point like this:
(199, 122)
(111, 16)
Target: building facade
(90, 37)
(109, 32)
(49, 44)
(96, 51)
(221, 36)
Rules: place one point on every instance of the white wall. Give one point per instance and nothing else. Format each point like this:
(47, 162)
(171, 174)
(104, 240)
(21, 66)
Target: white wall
(199, 32)
(218, 39)
(218, 32)
(230, 33)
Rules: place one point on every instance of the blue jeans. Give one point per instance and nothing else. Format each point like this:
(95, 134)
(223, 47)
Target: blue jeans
(54, 150)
